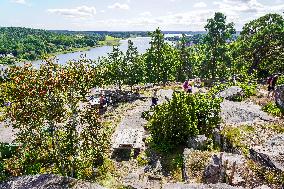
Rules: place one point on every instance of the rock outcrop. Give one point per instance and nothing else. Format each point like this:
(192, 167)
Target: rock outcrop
(231, 93)
(199, 142)
(225, 166)
(270, 154)
(47, 181)
(199, 186)
(279, 96)
(243, 113)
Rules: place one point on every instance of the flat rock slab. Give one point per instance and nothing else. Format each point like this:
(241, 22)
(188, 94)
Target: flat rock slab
(231, 93)
(128, 139)
(243, 113)
(7, 133)
(198, 186)
(47, 181)
(270, 154)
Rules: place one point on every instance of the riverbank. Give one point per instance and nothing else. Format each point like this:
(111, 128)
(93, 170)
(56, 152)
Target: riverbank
(109, 41)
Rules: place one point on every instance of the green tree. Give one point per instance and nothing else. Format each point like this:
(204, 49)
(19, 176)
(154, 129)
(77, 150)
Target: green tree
(160, 59)
(116, 67)
(260, 45)
(219, 32)
(134, 69)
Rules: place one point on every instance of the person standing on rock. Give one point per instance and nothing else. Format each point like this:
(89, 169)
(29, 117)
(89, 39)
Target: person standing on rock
(154, 98)
(271, 86)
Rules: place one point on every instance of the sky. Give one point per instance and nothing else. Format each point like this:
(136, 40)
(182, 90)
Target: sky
(131, 15)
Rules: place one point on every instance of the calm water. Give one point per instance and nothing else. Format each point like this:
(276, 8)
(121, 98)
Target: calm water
(142, 43)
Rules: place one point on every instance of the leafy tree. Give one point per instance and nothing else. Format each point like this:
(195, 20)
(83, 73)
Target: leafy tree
(184, 69)
(260, 45)
(219, 32)
(133, 61)
(160, 62)
(55, 133)
(116, 67)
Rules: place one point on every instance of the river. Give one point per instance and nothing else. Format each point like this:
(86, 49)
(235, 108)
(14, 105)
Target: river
(142, 44)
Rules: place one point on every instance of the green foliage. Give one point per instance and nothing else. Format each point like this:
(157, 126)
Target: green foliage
(185, 115)
(234, 137)
(273, 109)
(20, 44)
(160, 60)
(56, 135)
(260, 46)
(217, 60)
(280, 80)
(142, 159)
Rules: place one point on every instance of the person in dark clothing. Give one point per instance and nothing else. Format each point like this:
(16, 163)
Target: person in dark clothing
(154, 98)
(272, 81)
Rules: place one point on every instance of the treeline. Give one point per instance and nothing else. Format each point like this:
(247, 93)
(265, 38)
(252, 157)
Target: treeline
(20, 44)
(116, 34)
(258, 50)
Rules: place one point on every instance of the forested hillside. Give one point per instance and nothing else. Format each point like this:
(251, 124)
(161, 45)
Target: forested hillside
(20, 44)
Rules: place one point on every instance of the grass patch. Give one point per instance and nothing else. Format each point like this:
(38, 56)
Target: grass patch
(235, 136)
(270, 176)
(109, 41)
(195, 163)
(273, 109)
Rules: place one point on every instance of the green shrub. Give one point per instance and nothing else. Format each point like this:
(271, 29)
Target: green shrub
(280, 80)
(142, 159)
(248, 88)
(273, 109)
(185, 115)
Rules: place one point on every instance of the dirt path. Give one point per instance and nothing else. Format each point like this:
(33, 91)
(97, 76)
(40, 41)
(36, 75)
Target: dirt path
(131, 128)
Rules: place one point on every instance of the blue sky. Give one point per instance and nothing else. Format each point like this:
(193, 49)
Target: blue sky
(121, 15)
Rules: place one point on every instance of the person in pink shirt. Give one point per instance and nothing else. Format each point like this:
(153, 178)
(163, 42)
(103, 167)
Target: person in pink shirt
(187, 87)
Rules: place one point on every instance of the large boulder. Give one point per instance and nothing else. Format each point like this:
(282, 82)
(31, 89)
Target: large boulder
(47, 181)
(270, 154)
(243, 113)
(231, 93)
(279, 96)
(225, 165)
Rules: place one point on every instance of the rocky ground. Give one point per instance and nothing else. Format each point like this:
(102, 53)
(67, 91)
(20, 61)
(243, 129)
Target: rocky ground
(47, 182)
(250, 155)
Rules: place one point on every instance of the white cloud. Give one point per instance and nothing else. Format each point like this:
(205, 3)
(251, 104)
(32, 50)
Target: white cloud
(200, 5)
(78, 12)
(119, 6)
(19, 1)
(146, 14)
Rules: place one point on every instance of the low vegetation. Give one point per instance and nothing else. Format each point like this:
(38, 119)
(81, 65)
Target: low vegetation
(185, 115)
(273, 109)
